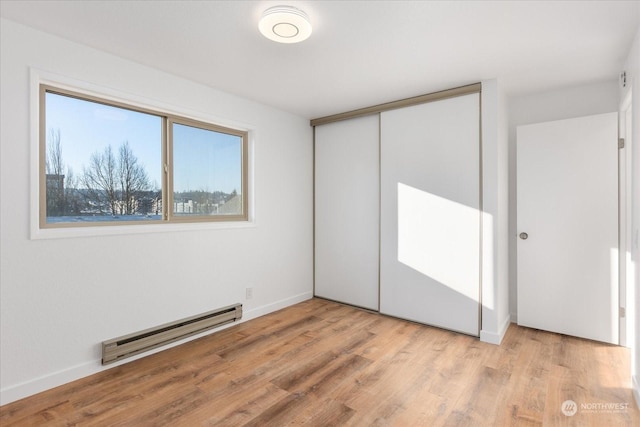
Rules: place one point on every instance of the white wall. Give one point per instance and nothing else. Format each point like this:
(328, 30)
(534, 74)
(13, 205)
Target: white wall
(61, 297)
(559, 104)
(495, 200)
(632, 68)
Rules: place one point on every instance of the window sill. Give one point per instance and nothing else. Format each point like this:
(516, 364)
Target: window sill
(38, 233)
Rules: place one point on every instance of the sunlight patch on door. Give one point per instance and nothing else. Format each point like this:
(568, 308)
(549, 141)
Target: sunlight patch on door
(439, 238)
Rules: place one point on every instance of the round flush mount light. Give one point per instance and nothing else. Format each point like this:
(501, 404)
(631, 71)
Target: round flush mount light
(285, 24)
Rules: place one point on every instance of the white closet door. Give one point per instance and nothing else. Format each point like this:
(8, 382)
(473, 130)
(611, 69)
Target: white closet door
(430, 213)
(347, 205)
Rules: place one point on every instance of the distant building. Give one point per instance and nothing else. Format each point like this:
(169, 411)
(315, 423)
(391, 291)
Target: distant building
(233, 206)
(55, 194)
(55, 183)
(183, 207)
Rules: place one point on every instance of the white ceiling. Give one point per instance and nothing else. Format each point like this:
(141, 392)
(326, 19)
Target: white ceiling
(361, 53)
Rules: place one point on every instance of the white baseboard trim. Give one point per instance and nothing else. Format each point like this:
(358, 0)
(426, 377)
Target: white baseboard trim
(275, 306)
(514, 318)
(493, 337)
(64, 376)
(635, 385)
(46, 382)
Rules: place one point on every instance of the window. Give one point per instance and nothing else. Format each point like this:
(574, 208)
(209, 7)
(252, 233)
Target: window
(207, 171)
(107, 163)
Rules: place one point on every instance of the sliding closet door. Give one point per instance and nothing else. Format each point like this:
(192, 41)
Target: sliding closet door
(430, 213)
(347, 205)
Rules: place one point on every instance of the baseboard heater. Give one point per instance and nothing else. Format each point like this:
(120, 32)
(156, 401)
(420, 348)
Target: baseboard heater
(138, 342)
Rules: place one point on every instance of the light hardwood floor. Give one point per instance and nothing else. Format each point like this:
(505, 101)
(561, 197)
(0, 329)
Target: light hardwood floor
(325, 364)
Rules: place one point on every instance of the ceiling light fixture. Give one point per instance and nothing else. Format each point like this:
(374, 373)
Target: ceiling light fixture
(285, 24)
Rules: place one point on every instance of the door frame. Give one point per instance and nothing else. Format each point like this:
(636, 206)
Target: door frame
(626, 290)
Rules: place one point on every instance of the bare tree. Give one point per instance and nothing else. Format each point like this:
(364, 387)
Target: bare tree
(133, 180)
(99, 179)
(72, 197)
(53, 159)
(54, 169)
(115, 184)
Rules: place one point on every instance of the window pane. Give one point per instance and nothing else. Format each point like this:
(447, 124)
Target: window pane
(207, 172)
(102, 163)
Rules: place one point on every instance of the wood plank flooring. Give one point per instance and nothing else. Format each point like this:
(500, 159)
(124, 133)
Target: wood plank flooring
(320, 363)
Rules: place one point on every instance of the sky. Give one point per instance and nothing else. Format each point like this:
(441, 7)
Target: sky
(204, 160)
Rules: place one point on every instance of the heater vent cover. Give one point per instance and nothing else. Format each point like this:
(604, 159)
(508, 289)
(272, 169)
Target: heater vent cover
(128, 345)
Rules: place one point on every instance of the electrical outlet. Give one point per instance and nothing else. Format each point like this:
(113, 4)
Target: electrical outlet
(249, 293)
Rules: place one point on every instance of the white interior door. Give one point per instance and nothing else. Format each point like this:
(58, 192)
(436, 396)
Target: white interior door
(347, 205)
(430, 213)
(568, 208)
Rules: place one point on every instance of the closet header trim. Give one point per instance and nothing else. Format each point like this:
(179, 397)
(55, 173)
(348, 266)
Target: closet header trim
(421, 99)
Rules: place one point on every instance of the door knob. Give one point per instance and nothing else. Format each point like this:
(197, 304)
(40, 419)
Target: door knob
(524, 236)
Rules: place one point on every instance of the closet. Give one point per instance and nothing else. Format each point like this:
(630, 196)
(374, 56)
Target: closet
(347, 205)
(398, 206)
